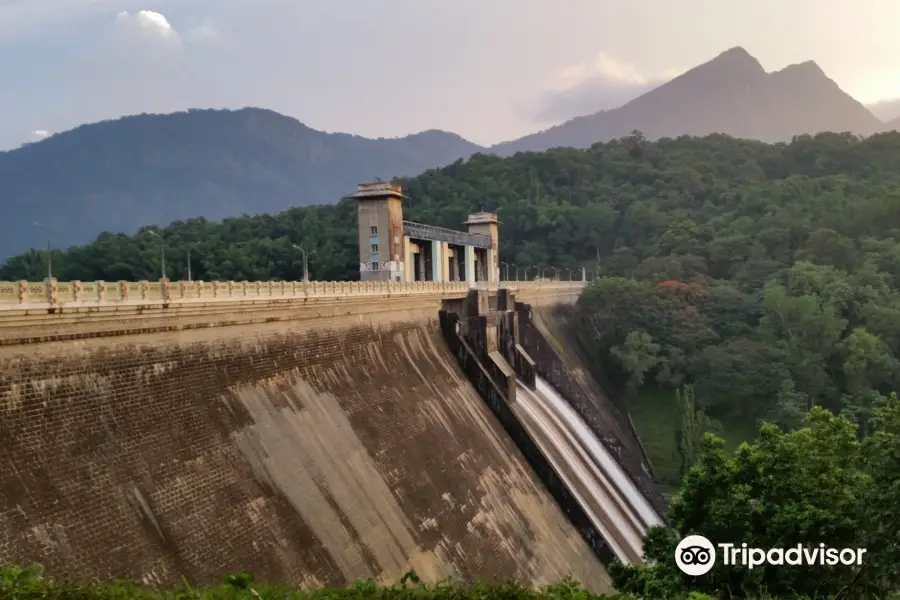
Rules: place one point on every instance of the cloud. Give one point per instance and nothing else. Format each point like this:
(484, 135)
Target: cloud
(205, 33)
(600, 84)
(145, 29)
(147, 21)
(35, 135)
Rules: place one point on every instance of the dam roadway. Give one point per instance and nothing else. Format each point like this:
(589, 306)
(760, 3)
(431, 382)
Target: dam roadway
(312, 433)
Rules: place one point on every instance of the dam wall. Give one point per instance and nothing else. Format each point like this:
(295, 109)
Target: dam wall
(309, 440)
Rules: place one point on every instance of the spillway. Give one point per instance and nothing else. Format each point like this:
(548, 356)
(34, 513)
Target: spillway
(605, 493)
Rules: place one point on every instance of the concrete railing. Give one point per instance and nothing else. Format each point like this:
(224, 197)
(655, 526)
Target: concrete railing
(53, 293)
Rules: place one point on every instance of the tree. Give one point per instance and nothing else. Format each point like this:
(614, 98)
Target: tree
(694, 425)
(637, 356)
(818, 484)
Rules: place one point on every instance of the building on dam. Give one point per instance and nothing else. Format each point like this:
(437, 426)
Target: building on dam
(392, 249)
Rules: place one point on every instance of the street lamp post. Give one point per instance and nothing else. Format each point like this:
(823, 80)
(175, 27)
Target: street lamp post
(516, 267)
(305, 262)
(555, 272)
(570, 274)
(49, 250)
(506, 270)
(189, 264)
(162, 248)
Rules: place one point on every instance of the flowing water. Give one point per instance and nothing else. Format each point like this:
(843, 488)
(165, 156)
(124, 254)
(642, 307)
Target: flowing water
(603, 490)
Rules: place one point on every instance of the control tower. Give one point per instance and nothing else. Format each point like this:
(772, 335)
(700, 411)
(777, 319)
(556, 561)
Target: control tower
(380, 219)
(391, 249)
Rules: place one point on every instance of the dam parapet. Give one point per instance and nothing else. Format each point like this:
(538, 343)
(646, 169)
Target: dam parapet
(67, 311)
(50, 293)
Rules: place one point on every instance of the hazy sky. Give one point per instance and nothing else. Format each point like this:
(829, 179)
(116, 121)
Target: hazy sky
(490, 70)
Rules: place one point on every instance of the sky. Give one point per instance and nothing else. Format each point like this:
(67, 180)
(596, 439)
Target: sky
(489, 70)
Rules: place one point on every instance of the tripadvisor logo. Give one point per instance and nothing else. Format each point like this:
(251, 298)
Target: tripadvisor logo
(695, 555)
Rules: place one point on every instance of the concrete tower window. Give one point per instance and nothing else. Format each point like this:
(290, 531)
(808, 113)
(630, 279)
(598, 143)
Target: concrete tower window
(375, 266)
(374, 248)
(374, 230)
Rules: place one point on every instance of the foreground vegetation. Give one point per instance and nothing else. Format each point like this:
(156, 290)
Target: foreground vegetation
(26, 584)
(29, 584)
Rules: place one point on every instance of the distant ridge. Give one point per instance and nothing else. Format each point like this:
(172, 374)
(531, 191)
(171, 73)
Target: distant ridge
(886, 110)
(121, 174)
(731, 94)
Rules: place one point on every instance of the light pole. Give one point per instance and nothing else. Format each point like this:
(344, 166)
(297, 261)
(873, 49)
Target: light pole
(555, 272)
(49, 250)
(189, 263)
(506, 270)
(570, 274)
(162, 247)
(516, 267)
(305, 263)
(525, 278)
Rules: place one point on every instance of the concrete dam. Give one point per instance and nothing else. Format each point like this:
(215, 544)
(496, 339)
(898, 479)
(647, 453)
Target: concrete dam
(311, 436)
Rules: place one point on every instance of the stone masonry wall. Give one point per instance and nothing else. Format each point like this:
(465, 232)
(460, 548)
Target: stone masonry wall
(312, 452)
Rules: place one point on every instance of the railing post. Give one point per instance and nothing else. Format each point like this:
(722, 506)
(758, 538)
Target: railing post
(51, 290)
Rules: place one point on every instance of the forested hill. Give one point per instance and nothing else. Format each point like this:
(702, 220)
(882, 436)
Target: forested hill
(152, 169)
(622, 200)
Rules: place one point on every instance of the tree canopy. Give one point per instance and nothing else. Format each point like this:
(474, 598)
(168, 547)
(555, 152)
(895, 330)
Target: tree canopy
(819, 484)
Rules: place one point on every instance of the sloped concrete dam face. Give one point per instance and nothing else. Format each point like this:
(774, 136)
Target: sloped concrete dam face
(309, 457)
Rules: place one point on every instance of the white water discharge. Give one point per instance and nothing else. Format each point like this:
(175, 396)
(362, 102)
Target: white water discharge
(606, 494)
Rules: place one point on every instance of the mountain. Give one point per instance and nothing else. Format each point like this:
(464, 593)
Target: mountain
(893, 125)
(886, 110)
(731, 94)
(141, 170)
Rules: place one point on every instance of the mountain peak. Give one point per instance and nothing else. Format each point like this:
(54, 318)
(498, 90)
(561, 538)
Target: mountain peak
(808, 67)
(736, 52)
(736, 55)
(735, 62)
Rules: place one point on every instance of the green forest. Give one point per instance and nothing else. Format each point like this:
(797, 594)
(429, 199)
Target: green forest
(736, 283)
